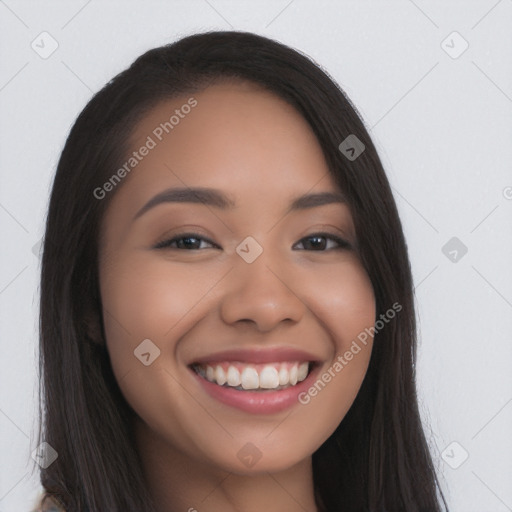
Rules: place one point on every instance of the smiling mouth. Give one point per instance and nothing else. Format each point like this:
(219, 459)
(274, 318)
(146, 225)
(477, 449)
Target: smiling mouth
(254, 377)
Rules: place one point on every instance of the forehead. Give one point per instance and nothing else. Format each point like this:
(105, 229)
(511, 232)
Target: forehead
(237, 138)
(235, 133)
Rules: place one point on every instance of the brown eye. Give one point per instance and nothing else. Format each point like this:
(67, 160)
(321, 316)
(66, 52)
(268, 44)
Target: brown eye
(190, 241)
(318, 242)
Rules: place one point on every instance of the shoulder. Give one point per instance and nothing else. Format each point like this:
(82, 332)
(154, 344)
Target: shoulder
(45, 503)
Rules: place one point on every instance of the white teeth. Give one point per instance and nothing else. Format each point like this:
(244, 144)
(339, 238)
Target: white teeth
(272, 376)
(303, 372)
(293, 374)
(284, 376)
(269, 378)
(220, 376)
(233, 376)
(250, 379)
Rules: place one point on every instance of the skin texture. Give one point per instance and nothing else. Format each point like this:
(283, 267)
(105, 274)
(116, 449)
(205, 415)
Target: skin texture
(196, 302)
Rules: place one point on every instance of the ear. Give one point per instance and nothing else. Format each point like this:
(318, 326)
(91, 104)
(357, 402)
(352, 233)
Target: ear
(93, 325)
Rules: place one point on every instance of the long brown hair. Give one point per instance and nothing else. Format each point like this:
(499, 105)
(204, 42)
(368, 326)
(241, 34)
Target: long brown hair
(378, 458)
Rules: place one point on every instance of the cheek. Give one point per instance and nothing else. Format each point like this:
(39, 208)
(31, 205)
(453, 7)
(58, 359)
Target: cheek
(139, 303)
(342, 298)
(147, 299)
(153, 300)
(343, 301)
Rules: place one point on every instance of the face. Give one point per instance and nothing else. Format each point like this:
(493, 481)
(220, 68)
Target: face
(230, 319)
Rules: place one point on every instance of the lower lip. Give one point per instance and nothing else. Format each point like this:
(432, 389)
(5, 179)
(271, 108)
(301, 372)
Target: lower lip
(257, 402)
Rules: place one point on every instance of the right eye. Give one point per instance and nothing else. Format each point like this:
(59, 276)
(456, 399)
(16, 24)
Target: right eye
(190, 242)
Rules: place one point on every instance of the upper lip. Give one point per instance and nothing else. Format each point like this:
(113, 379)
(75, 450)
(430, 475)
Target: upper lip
(258, 356)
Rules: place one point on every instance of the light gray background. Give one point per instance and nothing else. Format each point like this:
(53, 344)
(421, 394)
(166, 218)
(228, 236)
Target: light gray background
(442, 126)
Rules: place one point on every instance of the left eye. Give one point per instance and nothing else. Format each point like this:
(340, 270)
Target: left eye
(342, 244)
(193, 241)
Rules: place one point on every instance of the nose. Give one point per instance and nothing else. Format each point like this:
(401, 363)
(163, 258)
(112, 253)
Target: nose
(262, 294)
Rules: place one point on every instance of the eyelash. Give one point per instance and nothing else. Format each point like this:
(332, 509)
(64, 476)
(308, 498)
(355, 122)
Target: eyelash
(165, 244)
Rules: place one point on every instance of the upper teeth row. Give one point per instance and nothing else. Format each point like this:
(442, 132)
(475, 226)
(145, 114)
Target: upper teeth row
(269, 377)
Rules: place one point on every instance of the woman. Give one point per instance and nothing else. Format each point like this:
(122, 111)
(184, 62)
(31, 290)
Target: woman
(268, 361)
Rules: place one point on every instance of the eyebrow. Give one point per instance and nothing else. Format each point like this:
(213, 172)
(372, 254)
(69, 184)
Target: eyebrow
(218, 199)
